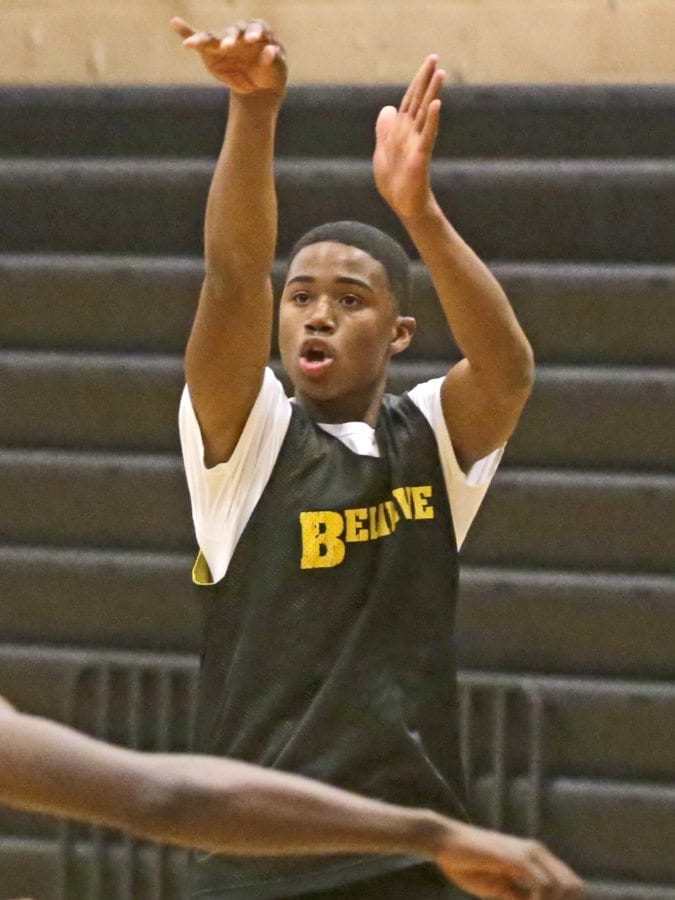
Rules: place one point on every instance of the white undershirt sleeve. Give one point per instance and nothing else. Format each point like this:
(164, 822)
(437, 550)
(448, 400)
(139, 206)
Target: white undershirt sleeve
(465, 490)
(223, 497)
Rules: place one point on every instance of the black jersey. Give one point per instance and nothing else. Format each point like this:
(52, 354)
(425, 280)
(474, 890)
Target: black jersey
(328, 646)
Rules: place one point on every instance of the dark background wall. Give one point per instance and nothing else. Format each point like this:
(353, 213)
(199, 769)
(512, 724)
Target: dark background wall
(567, 621)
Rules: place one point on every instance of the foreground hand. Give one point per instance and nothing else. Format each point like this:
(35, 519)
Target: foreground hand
(246, 57)
(405, 139)
(501, 867)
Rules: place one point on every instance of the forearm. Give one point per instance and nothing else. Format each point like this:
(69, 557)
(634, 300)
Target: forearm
(232, 807)
(478, 312)
(241, 214)
(196, 801)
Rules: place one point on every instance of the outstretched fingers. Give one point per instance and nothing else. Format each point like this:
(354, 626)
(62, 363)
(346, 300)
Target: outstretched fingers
(550, 876)
(250, 32)
(432, 93)
(414, 96)
(245, 56)
(497, 888)
(181, 27)
(195, 40)
(257, 30)
(429, 131)
(272, 52)
(567, 884)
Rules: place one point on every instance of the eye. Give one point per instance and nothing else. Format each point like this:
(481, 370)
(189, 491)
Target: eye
(301, 298)
(351, 301)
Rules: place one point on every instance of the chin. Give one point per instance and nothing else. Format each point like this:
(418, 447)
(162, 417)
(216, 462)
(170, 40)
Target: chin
(316, 391)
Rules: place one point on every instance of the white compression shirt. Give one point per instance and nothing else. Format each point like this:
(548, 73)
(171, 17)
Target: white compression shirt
(224, 496)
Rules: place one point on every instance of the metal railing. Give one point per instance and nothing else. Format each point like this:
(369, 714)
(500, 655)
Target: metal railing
(157, 700)
(509, 732)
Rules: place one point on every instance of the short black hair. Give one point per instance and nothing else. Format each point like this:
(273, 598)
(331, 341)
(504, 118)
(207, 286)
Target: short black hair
(372, 241)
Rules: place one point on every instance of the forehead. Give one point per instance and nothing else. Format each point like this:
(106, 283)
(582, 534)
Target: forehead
(328, 259)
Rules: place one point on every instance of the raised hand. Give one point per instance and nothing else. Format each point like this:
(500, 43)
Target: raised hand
(246, 57)
(405, 139)
(501, 867)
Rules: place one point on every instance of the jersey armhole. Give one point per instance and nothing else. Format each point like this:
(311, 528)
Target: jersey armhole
(223, 496)
(466, 490)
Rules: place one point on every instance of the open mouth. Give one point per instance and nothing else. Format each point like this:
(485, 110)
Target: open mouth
(314, 360)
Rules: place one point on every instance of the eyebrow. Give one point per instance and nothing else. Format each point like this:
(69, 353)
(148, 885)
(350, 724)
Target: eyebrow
(340, 279)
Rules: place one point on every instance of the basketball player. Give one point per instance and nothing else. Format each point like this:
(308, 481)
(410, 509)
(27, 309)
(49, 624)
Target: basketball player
(232, 807)
(329, 526)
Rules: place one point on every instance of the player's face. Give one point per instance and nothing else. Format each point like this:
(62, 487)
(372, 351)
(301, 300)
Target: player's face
(338, 324)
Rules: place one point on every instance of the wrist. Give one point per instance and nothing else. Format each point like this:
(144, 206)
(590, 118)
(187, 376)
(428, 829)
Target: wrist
(431, 834)
(263, 102)
(427, 213)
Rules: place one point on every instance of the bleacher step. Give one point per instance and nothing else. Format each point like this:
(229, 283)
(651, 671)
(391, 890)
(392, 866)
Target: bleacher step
(577, 417)
(553, 621)
(536, 518)
(119, 870)
(145, 304)
(508, 619)
(616, 890)
(614, 830)
(478, 120)
(527, 210)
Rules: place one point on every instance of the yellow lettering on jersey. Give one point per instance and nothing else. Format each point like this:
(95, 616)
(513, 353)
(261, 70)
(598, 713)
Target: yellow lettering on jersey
(383, 528)
(420, 499)
(372, 520)
(354, 530)
(321, 544)
(393, 513)
(402, 496)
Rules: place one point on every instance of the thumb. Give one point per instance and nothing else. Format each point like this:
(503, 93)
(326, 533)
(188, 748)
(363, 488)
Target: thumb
(384, 121)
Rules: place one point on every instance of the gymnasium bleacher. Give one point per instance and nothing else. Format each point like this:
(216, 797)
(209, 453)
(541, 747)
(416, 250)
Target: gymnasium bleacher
(566, 628)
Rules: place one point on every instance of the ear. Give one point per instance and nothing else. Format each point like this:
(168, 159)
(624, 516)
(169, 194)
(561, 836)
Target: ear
(402, 334)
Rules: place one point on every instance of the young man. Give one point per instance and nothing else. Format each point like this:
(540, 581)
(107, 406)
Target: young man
(231, 807)
(329, 526)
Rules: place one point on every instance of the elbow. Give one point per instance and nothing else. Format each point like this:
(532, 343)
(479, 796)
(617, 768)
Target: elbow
(523, 371)
(514, 378)
(172, 808)
(157, 807)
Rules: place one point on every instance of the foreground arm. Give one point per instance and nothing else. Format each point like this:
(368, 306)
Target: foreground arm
(225, 806)
(484, 394)
(230, 340)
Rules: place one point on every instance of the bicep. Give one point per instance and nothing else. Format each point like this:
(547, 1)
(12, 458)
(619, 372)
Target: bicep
(479, 420)
(227, 351)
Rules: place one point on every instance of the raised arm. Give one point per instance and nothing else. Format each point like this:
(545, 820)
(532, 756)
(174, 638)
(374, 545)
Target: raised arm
(230, 340)
(231, 807)
(484, 394)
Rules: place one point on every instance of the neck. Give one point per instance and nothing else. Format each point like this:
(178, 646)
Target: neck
(349, 408)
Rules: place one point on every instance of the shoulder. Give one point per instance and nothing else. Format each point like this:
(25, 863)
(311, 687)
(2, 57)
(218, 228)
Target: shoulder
(466, 489)
(416, 410)
(269, 417)
(426, 397)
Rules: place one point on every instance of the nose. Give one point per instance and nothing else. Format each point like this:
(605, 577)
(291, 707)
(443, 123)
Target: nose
(321, 319)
